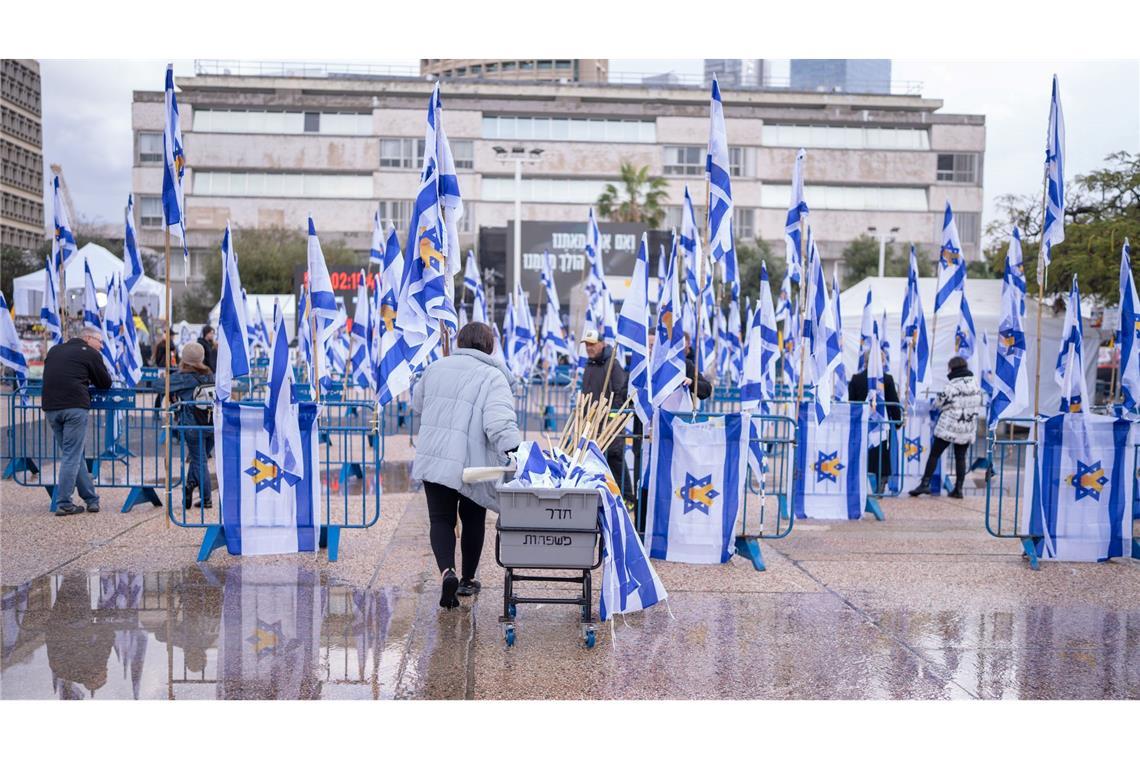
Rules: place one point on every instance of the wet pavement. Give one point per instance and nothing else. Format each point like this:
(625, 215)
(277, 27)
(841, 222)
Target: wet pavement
(925, 605)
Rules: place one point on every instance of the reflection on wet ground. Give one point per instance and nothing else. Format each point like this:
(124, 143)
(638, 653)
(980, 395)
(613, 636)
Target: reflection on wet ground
(276, 631)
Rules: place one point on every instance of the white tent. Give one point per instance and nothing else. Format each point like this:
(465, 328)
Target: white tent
(286, 301)
(28, 290)
(985, 306)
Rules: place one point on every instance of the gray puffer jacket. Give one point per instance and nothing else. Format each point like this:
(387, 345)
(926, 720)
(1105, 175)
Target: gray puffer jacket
(961, 403)
(467, 419)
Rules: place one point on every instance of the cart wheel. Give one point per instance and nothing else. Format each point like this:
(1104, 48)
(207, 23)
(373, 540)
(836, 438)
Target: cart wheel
(509, 635)
(512, 611)
(590, 640)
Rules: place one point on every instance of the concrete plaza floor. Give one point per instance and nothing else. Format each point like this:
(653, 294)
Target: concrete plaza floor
(923, 605)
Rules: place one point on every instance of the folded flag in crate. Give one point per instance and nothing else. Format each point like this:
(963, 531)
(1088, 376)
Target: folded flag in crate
(629, 582)
(696, 486)
(1081, 508)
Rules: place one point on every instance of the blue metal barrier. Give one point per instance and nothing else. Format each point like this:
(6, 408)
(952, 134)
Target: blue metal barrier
(1007, 494)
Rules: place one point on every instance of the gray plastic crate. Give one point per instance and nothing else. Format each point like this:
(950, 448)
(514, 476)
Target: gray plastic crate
(548, 508)
(545, 548)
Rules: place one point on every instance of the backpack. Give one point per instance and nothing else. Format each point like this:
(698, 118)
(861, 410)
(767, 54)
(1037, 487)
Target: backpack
(204, 394)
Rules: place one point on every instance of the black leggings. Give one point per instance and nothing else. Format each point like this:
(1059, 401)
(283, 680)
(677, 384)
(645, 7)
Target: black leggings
(443, 505)
(959, 460)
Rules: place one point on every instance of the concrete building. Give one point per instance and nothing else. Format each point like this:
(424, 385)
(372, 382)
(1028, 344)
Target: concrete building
(266, 151)
(869, 75)
(735, 72)
(518, 70)
(21, 148)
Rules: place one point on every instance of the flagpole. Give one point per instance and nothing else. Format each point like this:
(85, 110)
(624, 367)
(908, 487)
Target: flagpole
(1042, 279)
(805, 290)
(697, 304)
(166, 361)
(317, 344)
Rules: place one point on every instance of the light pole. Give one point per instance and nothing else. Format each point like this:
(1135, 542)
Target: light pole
(883, 246)
(519, 155)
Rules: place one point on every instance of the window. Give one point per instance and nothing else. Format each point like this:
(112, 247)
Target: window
(467, 221)
(850, 198)
(463, 151)
(828, 136)
(545, 65)
(540, 190)
(563, 65)
(743, 223)
(957, 167)
(150, 147)
(673, 217)
(492, 67)
(969, 226)
(399, 213)
(150, 211)
(526, 65)
(684, 159)
(477, 69)
(585, 130)
(736, 167)
(290, 185)
(282, 122)
(508, 65)
(312, 122)
(400, 152)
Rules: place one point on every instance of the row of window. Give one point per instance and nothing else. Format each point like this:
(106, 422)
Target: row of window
(18, 125)
(823, 136)
(282, 185)
(743, 220)
(22, 90)
(495, 67)
(850, 198)
(959, 167)
(20, 209)
(407, 153)
(282, 122)
(21, 168)
(689, 160)
(579, 130)
(18, 238)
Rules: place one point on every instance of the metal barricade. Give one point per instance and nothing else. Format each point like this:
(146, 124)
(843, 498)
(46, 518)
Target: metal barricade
(1008, 495)
(123, 446)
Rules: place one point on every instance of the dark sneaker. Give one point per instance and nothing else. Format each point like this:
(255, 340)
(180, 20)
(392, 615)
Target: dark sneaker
(468, 587)
(955, 494)
(200, 505)
(63, 510)
(93, 507)
(447, 598)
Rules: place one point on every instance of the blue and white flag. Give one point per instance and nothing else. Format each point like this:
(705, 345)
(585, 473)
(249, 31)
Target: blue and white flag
(471, 278)
(783, 300)
(876, 383)
(11, 350)
(661, 272)
(951, 262)
(174, 170)
(885, 344)
(1082, 510)
(233, 334)
(596, 277)
(358, 354)
(667, 360)
(696, 487)
(1128, 333)
(965, 336)
(129, 355)
(394, 373)
(50, 312)
(840, 368)
(797, 215)
(917, 438)
(304, 337)
(91, 317)
(821, 339)
(1011, 375)
(758, 384)
(1053, 231)
(831, 463)
(322, 299)
(790, 353)
(450, 201)
(865, 324)
(132, 260)
(284, 450)
(690, 242)
(913, 330)
(546, 276)
(260, 333)
(633, 333)
(985, 368)
(721, 246)
(554, 343)
(376, 249)
(63, 245)
(1070, 369)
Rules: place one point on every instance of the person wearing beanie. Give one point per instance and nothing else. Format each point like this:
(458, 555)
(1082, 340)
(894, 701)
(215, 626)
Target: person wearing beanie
(960, 402)
(197, 434)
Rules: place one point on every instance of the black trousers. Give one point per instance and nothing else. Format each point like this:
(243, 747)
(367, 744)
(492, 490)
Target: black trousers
(443, 505)
(959, 461)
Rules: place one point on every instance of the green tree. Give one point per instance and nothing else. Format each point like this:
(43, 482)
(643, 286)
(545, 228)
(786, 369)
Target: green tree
(268, 259)
(748, 259)
(1101, 209)
(861, 259)
(637, 198)
(16, 262)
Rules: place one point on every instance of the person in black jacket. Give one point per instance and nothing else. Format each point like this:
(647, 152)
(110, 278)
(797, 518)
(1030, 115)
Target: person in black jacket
(69, 369)
(209, 346)
(879, 456)
(601, 378)
(704, 387)
(191, 374)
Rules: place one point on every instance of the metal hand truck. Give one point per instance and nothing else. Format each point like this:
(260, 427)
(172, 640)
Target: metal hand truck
(548, 529)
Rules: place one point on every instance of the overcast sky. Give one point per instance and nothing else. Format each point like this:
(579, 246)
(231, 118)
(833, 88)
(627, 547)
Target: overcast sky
(87, 116)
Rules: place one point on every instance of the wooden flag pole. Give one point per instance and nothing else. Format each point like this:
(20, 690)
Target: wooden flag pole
(1042, 280)
(166, 361)
(805, 293)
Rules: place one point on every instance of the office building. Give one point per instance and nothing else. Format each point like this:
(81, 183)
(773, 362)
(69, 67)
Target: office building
(21, 148)
(518, 70)
(860, 75)
(735, 72)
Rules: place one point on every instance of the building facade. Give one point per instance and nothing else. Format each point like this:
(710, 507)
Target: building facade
(21, 148)
(518, 69)
(735, 72)
(869, 75)
(267, 151)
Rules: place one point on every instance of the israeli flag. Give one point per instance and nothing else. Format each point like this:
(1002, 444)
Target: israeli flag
(790, 353)
(596, 278)
(471, 278)
(233, 334)
(394, 373)
(359, 339)
(1053, 231)
(821, 340)
(132, 260)
(1011, 376)
(965, 336)
(690, 246)
(735, 347)
(174, 169)
(304, 337)
(720, 206)
(913, 329)
(260, 333)
(1070, 369)
(758, 383)
(11, 350)
(797, 214)
(696, 487)
(546, 275)
(661, 272)
(63, 245)
(917, 438)
(281, 409)
(91, 317)
(130, 357)
(1128, 333)
(264, 509)
(831, 466)
(633, 332)
(876, 387)
(667, 360)
(509, 330)
(865, 325)
(376, 249)
(951, 263)
(1086, 469)
(450, 201)
(322, 300)
(985, 369)
(840, 368)
(783, 300)
(49, 312)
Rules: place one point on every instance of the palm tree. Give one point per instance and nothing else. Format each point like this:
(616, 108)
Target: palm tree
(642, 199)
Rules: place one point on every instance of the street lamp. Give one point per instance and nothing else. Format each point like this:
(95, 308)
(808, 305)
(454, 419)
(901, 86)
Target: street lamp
(519, 156)
(883, 246)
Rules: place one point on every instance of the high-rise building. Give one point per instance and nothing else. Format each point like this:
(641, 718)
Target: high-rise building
(21, 146)
(871, 75)
(518, 69)
(735, 72)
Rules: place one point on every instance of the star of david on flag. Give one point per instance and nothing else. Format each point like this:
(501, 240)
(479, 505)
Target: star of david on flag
(698, 493)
